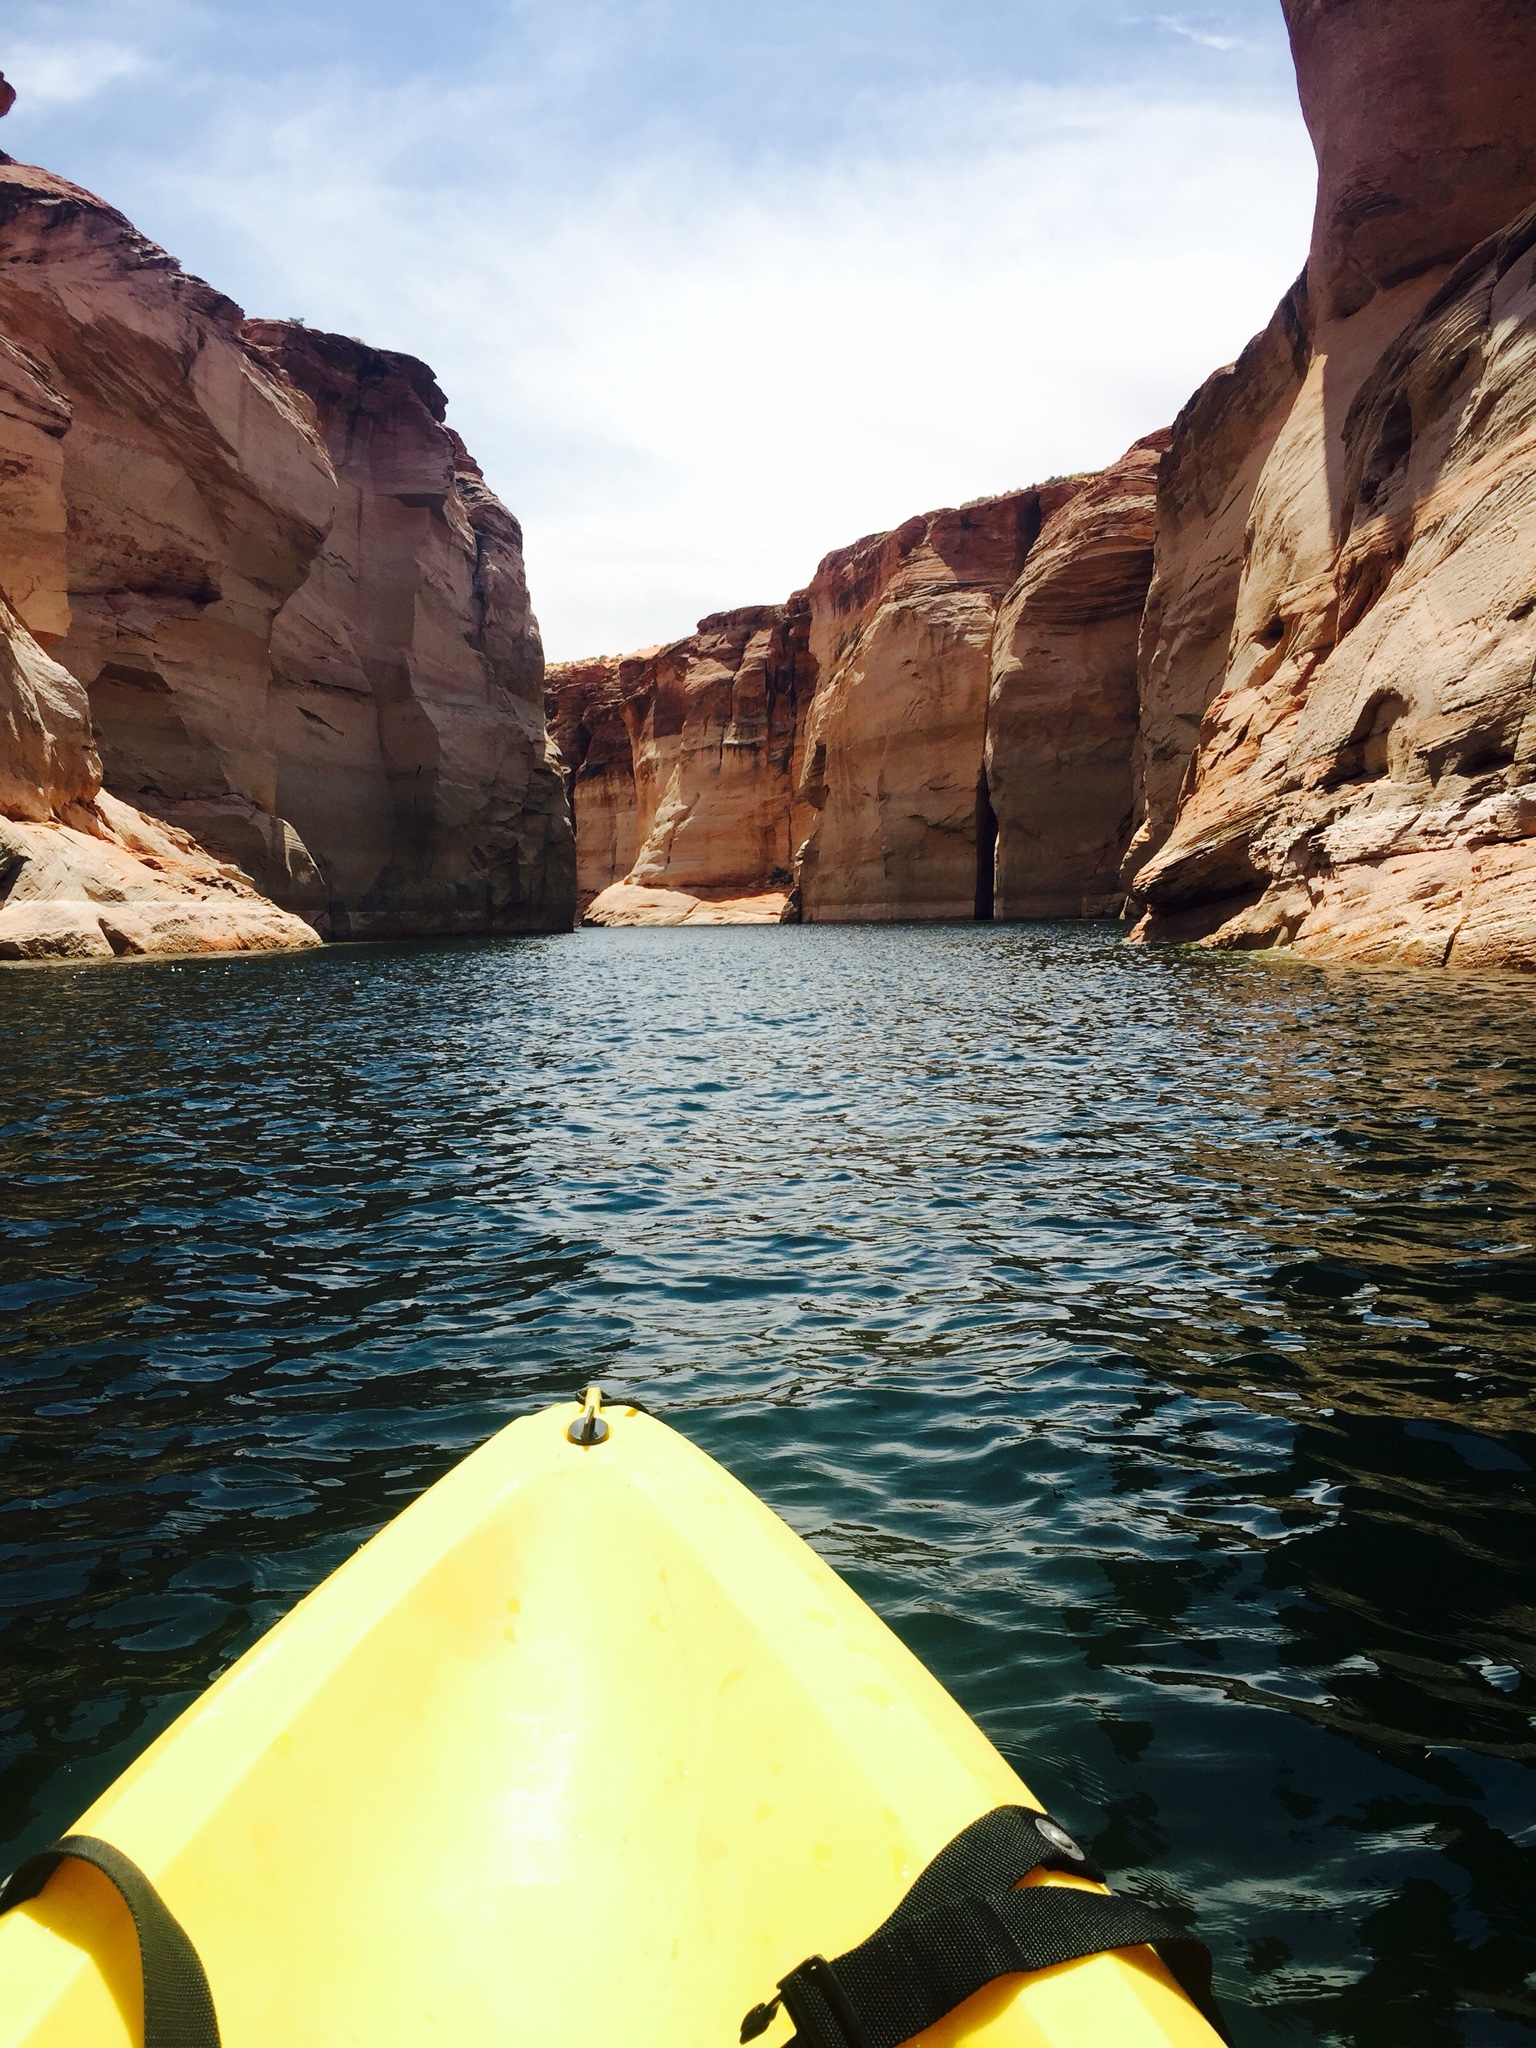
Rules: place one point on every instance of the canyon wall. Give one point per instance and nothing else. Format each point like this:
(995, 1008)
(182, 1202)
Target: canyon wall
(405, 713)
(828, 758)
(681, 764)
(177, 527)
(584, 704)
(82, 875)
(1361, 783)
(1062, 710)
(900, 635)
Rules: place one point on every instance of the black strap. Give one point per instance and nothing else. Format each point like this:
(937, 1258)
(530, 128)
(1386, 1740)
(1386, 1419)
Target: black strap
(178, 2006)
(962, 1924)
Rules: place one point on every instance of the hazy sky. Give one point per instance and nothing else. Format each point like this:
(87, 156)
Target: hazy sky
(712, 287)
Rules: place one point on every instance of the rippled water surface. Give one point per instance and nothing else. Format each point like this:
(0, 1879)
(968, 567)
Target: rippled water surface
(1148, 1336)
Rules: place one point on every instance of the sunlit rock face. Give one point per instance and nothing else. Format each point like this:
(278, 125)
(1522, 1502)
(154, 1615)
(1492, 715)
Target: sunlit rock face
(300, 615)
(900, 637)
(1205, 486)
(195, 492)
(584, 702)
(1361, 782)
(406, 706)
(682, 764)
(1365, 784)
(83, 876)
(1062, 711)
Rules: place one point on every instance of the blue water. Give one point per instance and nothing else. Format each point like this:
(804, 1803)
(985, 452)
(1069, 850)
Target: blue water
(1147, 1335)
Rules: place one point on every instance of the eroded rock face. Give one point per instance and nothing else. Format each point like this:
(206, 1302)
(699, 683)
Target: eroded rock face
(406, 707)
(682, 761)
(196, 491)
(1423, 116)
(1205, 485)
(179, 469)
(1366, 781)
(1062, 711)
(83, 876)
(584, 702)
(899, 635)
(1355, 790)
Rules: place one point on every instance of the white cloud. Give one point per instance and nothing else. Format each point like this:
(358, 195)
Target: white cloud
(692, 377)
(61, 74)
(1176, 25)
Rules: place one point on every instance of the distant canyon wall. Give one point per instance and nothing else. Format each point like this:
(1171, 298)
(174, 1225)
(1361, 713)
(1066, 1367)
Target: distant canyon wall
(829, 759)
(290, 620)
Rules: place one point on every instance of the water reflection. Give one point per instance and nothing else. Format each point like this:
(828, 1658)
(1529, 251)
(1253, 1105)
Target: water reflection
(1147, 1335)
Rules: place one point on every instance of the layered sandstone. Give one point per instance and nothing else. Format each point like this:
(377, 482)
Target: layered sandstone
(1062, 708)
(334, 683)
(682, 763)
(584, 702)
(899, 636)
(1366, 782)
(1205, 485)
(83, 876)
(406, 708)
(196, 491)
(1362, 779)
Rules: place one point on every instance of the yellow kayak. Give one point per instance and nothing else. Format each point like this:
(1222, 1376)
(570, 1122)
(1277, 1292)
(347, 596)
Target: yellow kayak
(587, 1749)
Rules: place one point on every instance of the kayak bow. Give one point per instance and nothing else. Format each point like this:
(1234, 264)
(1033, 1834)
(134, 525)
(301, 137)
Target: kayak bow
(586, 1749)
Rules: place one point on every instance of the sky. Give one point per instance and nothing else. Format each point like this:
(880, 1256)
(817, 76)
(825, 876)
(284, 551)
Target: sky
(713, 286)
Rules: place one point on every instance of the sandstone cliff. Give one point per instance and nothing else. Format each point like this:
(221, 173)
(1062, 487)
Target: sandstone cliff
(836, 745)
(161, 525)
(405, 712)
(682, 766)
(900, 636)
(584, 702)
(1361, 785)
(1062, 711)
(82, 876)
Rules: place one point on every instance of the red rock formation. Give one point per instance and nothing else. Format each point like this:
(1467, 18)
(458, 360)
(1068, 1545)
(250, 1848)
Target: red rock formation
(584, 703)
(1358, 789)
(900, 632)
(1205, 488)
(1423, 117)
(197, 492)
(406, 709)
(176, 471)
(682, 759)
(1062, 713)
(836, 741)
(82, 876)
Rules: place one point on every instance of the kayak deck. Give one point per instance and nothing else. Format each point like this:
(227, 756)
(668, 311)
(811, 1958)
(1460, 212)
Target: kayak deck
(586, 1747)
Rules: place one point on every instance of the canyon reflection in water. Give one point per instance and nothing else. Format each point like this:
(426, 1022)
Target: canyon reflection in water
(1146, 1335)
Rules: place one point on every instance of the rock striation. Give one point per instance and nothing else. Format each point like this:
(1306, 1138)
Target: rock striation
(83, 876)
(1062, 711)
(306, 647)
(682, 764)
(405, 710)
(828, 759)
(1363, 783)
(900, 634)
